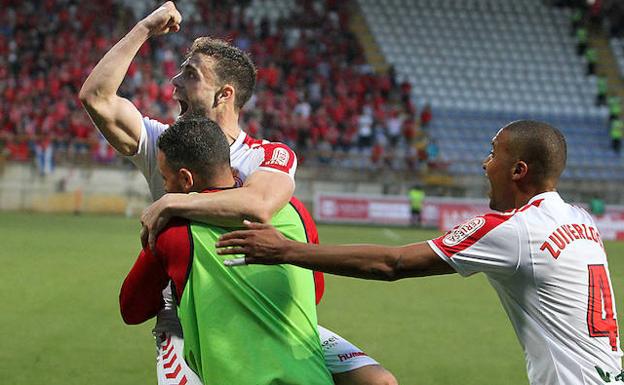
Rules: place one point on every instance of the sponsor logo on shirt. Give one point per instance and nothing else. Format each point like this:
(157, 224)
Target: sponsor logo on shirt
(462, 232)
(329, 343)
(349, 356)
(280, 157)
(606, 376)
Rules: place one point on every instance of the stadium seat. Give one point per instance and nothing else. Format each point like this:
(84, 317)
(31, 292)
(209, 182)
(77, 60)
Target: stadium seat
(483, 63)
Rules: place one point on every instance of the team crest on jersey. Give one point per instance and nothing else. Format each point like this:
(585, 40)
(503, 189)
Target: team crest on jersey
(463, 231)
(280, 157)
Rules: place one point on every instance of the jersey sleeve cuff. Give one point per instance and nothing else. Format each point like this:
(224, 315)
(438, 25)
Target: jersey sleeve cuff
(142, 138)
(448, 260)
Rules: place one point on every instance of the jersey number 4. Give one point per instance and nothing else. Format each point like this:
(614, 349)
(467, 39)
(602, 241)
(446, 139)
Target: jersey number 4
(600, 306)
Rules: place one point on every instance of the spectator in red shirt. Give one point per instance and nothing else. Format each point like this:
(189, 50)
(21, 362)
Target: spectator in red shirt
(425, 116)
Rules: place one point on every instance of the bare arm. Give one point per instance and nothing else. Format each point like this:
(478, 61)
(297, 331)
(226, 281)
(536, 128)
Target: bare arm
(262, 195)
(116, 117)
(262, 244)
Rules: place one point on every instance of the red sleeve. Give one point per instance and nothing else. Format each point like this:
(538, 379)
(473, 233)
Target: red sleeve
(141, 293)
(465, 235)
(312, 237)
(468, 233)
(278, 156)
(176, 244)
(319, 285)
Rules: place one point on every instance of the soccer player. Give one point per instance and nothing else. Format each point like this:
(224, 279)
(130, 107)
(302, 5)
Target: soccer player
(240, 327)
(543, 256)
(216, 80)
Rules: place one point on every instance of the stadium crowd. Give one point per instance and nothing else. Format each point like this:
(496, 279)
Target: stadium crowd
(315, 90)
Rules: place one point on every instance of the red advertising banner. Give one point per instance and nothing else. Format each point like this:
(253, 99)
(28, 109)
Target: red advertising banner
(443, 213)
(611, 224)
(365, 209)
(446, 213)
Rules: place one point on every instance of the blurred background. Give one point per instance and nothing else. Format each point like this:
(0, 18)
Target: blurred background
(390, 106)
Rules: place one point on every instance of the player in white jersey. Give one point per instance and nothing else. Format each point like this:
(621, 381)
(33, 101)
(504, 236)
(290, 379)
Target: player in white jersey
(247, 155)
(216, 80)
(544, 257)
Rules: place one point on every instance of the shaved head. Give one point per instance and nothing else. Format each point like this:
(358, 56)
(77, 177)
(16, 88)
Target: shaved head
(541, 146)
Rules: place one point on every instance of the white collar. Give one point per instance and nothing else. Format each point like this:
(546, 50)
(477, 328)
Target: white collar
(238, 143)
(546, 195)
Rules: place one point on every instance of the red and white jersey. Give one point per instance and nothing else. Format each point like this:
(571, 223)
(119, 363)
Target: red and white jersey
(246, 156)
(549, 268)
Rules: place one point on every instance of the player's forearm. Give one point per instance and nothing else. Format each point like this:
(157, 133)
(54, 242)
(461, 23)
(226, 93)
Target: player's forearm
(360, 261)
(264, 244)
(226, 208)
(386, 263)
(108, 74)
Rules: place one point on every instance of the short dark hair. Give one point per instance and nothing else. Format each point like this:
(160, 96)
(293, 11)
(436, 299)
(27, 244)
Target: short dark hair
(542, 146)
(232, 66)
(197, 144)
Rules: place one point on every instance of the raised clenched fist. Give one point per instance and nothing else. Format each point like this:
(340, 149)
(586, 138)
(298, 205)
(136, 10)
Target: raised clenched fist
(163, 20)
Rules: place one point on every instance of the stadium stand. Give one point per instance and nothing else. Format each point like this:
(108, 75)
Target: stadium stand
(325, 101)
(477, 63)
(617, 45)
(482, 63)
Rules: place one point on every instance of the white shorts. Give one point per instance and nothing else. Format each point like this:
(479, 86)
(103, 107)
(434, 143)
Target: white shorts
(171, 368)
(341, 355)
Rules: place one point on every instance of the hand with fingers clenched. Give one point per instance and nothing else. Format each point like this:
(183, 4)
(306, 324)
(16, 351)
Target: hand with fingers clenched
(163, 20)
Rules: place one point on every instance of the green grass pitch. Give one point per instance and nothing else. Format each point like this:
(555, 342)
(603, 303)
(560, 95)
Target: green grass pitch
(60, 323)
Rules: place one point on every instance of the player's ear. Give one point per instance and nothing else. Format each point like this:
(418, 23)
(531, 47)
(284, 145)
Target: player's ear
(225, 95)
(186, 179)
(521, 168)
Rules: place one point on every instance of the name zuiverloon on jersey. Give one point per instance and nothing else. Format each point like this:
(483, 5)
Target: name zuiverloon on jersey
(568, 233)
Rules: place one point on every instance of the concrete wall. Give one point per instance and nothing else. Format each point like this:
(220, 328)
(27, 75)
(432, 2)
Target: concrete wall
(122, 191)
(73, 189)
(114, 190)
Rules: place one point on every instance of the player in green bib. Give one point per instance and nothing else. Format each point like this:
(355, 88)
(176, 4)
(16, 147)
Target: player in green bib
(253, 326)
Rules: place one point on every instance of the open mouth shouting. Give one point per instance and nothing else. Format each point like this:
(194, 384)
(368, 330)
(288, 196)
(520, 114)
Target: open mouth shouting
(183, 106)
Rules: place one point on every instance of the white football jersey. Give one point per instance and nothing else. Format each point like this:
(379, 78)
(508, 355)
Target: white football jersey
(549, 268)
(246, 156)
